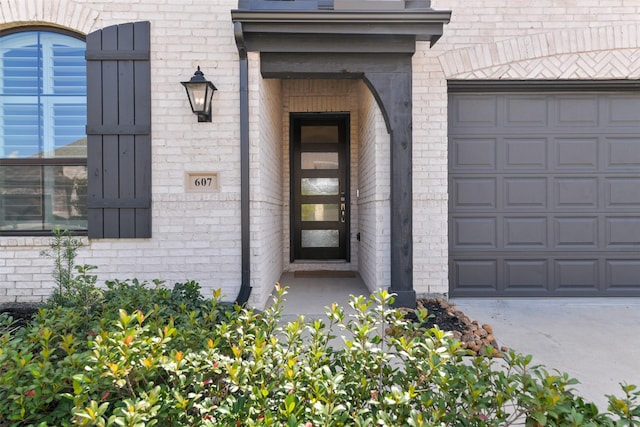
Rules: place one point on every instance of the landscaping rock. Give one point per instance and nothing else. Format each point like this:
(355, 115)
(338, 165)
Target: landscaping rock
(448, 317)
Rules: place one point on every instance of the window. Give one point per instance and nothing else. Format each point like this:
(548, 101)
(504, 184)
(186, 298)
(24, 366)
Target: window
(43, 143)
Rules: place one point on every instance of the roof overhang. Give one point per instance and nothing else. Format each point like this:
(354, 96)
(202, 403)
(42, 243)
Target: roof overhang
(318, 26)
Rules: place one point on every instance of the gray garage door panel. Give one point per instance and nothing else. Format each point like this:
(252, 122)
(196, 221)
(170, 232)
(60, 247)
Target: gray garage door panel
(544, 194)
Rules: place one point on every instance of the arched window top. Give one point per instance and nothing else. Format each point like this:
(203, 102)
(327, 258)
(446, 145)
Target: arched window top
(42, 62)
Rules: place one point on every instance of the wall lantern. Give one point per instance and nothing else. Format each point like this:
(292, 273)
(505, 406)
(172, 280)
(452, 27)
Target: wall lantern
(200, 91)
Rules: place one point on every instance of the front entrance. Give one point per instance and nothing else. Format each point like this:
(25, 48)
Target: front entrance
(319, 186)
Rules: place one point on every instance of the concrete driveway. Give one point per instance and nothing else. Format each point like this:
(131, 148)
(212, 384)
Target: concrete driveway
(595, 340)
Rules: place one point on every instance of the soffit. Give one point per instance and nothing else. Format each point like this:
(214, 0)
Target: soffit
(336, 25)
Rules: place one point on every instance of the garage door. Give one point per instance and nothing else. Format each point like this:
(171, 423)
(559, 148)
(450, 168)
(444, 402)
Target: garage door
(544, 193)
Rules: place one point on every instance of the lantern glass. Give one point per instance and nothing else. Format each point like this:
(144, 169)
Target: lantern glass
(197, 93)
(200, 92)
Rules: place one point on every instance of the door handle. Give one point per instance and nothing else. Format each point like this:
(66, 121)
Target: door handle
(343, 213)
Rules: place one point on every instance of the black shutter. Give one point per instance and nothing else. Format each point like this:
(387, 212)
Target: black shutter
(119, 131)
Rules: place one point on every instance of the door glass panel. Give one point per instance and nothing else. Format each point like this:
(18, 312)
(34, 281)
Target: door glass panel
(320, 161)
(319, 134)
(320, 212)
(320, 186)
(320, 238)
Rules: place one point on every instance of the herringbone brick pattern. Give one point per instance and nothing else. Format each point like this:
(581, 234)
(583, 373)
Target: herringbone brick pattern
(598, 53)
(622, 64)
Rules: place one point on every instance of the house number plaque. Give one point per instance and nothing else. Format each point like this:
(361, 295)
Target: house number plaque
(202, 182)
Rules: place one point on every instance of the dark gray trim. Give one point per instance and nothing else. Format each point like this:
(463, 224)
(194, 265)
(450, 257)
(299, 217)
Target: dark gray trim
(119, 131)
(384, 18)
(393, 93)
(39, 161)
(118, 203)
(457, 86)
(114, 55)
(423, 25)
(308, 43)
(245, 205)
(420, 25)
(332, 65)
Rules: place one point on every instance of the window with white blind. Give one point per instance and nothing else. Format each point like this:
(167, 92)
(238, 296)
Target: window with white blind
(43, 143)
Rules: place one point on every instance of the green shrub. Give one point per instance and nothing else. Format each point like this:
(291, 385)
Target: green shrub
(63, 359)
(63, 250)
(148, 355)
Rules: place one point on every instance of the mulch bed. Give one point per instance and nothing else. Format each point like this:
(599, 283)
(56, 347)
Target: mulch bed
(21, 313)
(474, 336)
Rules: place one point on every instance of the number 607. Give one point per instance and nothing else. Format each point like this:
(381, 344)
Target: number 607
(202, 182)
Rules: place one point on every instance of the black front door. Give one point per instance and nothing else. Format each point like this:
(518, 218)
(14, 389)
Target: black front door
(319, 186)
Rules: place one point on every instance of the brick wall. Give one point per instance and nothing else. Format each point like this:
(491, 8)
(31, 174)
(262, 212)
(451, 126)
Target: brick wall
(197, 236)
(266, 183)
(375, 197)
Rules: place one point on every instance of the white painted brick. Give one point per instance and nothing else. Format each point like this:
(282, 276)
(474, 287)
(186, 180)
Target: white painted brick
(42, 293)
(23, 281)
(18, 262)
(6, 272)
(20, 292)
(42, 278)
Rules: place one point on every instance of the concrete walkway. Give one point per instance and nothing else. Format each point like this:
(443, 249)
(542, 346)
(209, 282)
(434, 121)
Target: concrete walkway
(310, 295)
(594, 340)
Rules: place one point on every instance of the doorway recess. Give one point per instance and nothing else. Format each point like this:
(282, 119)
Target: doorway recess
(346, 39)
